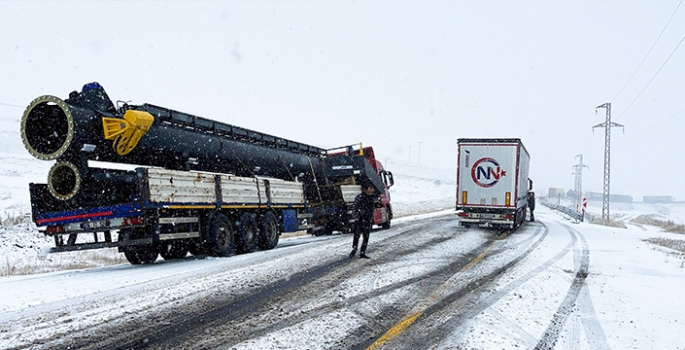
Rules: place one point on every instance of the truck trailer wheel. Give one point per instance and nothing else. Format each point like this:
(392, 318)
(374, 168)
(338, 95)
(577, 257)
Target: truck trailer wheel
(221, 238)
(520, 218)
(268, 231)
(173, 250)
(247, 233)
(329, 228)
(196, 248)
(386, 225)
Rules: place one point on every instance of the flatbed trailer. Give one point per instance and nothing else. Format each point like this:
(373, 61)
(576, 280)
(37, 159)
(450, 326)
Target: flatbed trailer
(180, 209)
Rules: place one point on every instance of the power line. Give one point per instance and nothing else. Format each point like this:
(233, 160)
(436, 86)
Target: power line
(655, 74)
(10, 105)
(650, 50)
(663, 121)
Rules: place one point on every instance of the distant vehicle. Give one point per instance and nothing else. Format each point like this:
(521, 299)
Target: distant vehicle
(658, 199)
(620, 198)
(593, 196)
(492, 182)
(555, 193)
(615, 198)
(196, 185)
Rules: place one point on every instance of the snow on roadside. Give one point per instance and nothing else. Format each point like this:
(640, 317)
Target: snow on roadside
(421, 189)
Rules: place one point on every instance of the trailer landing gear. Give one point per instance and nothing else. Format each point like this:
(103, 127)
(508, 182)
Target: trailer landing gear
(173, 250)
(138, 254)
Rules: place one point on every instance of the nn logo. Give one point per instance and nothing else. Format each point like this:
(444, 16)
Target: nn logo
(486, 172)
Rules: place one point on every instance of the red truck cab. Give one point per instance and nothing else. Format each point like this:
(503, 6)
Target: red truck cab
(383, 213)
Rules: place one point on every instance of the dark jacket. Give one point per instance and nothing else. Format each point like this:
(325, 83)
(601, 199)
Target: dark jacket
(531, 202)
(363, 207)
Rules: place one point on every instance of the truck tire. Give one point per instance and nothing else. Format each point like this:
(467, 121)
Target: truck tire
(386, 225)
(173, 250)
(196, 248)
(316, 232)
(221, 238)
(268, 231)
(328, 228)
(248, 235)
(141, 254)
(520, 218)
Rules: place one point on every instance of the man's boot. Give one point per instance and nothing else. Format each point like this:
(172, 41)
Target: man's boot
(354, 251)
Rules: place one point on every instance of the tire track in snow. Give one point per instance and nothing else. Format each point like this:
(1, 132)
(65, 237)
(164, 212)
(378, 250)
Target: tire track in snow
(122, 325)
(420, 336)
(577, 298)
(289, 300)
(234, 309)
(589, 321)
(292, 309)
(588, 318)
(179, 328)
(551, 334)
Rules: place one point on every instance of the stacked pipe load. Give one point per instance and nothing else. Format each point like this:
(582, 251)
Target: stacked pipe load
(88, 127)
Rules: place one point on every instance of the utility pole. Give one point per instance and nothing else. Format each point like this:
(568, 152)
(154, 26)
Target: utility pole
(578, 184)
(607, 125)
(419, 160)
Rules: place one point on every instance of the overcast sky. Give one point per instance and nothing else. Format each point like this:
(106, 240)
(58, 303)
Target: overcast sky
(408, 78)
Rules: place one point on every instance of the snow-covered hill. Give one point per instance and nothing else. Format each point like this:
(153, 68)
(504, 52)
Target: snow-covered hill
(421, 188)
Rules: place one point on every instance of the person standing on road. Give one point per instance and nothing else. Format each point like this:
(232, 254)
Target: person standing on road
(362, 212)
(531, 204)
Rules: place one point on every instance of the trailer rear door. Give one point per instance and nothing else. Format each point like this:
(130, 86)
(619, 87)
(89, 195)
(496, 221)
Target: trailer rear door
(487, 173)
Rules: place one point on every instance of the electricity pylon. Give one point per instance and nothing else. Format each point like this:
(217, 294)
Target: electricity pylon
(578, 184)
(607, 125)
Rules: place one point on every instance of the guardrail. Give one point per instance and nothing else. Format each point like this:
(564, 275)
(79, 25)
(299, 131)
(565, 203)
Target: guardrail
(579, 217)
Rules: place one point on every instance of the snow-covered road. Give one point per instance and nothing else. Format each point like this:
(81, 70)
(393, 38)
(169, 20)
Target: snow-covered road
(430, 284)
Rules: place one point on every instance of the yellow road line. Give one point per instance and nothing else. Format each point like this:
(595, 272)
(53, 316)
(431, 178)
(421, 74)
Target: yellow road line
(397, 329)
(422, 307)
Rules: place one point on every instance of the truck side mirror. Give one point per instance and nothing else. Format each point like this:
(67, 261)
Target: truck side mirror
(387, 178)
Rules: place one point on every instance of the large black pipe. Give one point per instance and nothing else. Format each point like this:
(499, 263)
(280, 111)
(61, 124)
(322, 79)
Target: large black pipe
(72, 130)
(66, 180)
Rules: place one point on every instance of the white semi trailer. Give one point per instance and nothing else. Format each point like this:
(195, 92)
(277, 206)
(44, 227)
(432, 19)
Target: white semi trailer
(492, 182)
